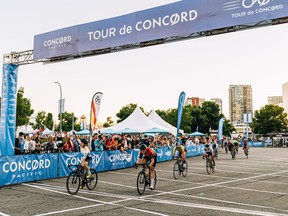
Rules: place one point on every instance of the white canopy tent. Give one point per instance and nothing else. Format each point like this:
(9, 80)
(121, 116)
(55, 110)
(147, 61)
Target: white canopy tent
(157, 119)
(137, 122)
(26, 129)
(47, 131)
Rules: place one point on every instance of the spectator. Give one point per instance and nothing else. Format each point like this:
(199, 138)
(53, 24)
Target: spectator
(19, 144)
(94, 137)
(99, 143)
(50, 145)
(32, 145)
(26, 144)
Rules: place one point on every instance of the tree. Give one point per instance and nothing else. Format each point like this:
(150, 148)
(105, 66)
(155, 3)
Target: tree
(67, 119)
(23, 109)
(269, 118)
(49, 123)
(210, 113)
(228, 128)
(109, 122)
(40, 120)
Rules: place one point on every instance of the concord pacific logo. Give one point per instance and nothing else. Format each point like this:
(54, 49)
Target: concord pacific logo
(57, 42)
(26, 165)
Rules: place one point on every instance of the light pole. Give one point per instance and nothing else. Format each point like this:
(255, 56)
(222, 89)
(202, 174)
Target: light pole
(60, 107)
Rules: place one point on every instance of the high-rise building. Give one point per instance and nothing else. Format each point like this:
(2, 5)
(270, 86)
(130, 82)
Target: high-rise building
(194, 101)
(275, 100)
(219, 102)
(240, 102)
(285, 96)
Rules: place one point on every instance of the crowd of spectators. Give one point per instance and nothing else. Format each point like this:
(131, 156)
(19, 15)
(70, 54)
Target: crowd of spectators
(25, 144)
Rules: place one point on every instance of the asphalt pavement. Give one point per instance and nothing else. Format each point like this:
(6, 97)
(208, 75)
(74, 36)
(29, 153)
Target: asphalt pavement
(254, 186)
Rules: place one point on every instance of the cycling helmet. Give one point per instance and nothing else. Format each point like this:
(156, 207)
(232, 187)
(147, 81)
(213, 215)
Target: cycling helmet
(142, 147)
(84, 141)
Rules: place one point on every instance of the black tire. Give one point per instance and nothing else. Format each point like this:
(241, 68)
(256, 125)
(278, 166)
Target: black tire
(246, 152)
(208, 166)
(73, 183)
(141, 184)
(176, 171)
(185, 169)
(93, 180)
(233, 153)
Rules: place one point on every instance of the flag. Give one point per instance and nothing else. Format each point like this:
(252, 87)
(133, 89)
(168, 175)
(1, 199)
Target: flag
(220, 128)
(95, 107)
(180, 111)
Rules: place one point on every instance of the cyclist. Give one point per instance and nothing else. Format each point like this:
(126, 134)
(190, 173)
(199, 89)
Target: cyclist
(207, 151)
(86, 156)
(245, 145)
(236, 144)
(214, 146)
(181, 150)
(150, 156)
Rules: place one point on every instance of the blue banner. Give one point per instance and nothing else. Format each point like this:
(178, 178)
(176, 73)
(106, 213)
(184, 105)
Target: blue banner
(118, 159)
(254, 144)
(8, 109)
(75, 158)
(180, 110)
(220, 129)
(176, 19)
(25, 168)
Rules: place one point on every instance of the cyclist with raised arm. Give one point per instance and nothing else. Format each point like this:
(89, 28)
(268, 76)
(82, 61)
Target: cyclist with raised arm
(182, 151)
(86, 159)
(207, 151)
(148, 155)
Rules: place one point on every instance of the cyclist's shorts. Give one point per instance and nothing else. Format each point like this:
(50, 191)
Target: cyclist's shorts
(88, 159)
(148, 159)
(208, 153)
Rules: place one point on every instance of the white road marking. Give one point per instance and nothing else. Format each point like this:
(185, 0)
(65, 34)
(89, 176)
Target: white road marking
(91, 200)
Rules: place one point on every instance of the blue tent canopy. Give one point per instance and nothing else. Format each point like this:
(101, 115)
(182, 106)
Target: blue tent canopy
(83, 132)
(196, 133)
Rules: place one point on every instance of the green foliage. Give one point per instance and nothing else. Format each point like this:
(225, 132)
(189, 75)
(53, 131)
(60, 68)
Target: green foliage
(23, 109)
(269, 118)
(109, 122)
(49, 123)
(67, 119)
(40, 120)
(228, 127)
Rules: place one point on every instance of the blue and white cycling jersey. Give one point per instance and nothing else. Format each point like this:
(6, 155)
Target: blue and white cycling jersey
(85, 151)
(207, 150)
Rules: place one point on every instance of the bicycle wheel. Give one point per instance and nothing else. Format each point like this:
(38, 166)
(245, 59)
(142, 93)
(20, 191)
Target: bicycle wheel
(208, 165)
(184, 168)
(141, 184)
(176, 171)
(246, 152)
(92, 181)
(233, 153)
(73, 183)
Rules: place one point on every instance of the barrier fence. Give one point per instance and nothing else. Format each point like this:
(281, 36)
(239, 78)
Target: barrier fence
(33, 167)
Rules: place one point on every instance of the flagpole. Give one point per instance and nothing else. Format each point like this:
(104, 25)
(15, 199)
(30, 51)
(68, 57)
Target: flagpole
(94, 110)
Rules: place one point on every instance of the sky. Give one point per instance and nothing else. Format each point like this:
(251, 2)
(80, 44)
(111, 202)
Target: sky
(151, 77)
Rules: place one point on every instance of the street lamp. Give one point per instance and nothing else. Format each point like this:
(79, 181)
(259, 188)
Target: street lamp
(60, 107)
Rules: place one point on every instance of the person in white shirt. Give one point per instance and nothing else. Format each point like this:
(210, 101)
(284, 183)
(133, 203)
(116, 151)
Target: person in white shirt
(85, 151)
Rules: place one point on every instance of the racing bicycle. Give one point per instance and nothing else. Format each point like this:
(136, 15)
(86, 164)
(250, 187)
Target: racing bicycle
(180, 168)
(78, 178)
(144, 178)
(210, 164)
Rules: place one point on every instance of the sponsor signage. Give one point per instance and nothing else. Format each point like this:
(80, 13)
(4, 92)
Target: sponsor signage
(177, 19)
